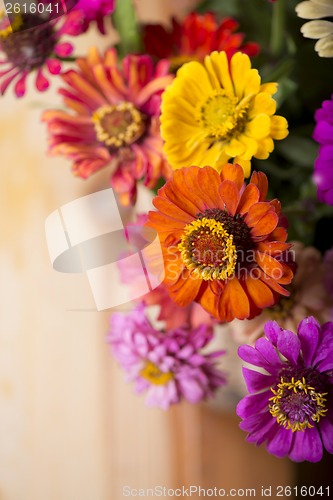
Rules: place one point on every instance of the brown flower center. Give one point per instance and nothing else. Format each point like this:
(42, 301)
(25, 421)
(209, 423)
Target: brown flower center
(118, 125)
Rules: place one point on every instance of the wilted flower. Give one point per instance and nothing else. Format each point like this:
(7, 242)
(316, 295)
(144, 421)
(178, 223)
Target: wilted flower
(169, 365)
(290, 406)
(219, 110)
(34, 49)
(319, 28)
(114, 120)
(323, 134)
(195, 37)
(222, 243)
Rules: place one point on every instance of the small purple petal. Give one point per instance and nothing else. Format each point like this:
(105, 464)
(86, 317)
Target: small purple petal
(289, 345)
(253, 404)
(308, 333)
(326, 431)
(268, 351)
(256, 381)
(281, 442)
(254, 357)
(297, 452)
(313, 447)
(272, 331)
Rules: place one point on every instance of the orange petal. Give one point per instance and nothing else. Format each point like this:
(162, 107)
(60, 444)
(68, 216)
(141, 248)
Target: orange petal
(233, 173)
(276, 204)
(279, 234)
(266, 225)
(230, 196)
(260, 180)
(249, 197)
(183, 188)
(256, 212)
(234, 302)
(260, 293)
(273, 284)
(169, 208)
(173, 266)
(273, 247)
(287, 275)
(209, 182)
(208, 299)
(162, 220)
(269, 265)
(186, 289)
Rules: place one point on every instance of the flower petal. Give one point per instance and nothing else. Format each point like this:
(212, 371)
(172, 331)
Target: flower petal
(289, 345)
(280, 444)
(308, 333)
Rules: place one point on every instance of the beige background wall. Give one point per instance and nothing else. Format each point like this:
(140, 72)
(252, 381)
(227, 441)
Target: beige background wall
(70, 428)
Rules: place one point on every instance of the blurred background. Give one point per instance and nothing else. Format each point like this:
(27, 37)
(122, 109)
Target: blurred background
(70, 427)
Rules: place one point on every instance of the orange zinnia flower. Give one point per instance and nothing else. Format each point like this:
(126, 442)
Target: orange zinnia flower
(221, 241)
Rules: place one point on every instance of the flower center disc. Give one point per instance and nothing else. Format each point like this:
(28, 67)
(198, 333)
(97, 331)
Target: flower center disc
(118, 125)
(296, 405)
(154, 375)
(208, 249)
(220, 115)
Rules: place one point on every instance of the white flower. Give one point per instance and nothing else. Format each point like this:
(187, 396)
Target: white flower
(319, 29)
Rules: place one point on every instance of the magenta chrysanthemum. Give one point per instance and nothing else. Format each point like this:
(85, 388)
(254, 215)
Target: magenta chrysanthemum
(167, 365)
(291, 404)
(34, 49)
(95, 10)
(114, 120)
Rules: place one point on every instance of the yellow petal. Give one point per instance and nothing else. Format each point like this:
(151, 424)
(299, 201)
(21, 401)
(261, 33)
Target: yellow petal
(234, 148)
(270, 88)
(259, 127)
(263, 103)
(240, 66)
(218, 70)
(279, 127)
(265, 147)
(251, 146)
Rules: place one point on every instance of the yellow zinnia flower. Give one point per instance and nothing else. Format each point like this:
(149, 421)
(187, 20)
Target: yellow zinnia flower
(213, 112)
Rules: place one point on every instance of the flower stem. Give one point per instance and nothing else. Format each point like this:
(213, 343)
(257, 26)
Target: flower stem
(278, 28)
(125, 21)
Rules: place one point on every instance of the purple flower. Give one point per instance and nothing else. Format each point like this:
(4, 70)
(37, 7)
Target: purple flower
(168, 365)
(290, 405)
(323, 134)
(95, 10)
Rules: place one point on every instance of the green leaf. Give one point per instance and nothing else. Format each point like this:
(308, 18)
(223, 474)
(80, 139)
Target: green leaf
(298, 150)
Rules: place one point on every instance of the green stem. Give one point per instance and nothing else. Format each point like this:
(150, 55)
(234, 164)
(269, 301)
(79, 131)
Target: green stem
(125, 21)
(278, 28)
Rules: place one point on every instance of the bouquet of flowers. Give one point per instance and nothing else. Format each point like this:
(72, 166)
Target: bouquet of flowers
(227, 118)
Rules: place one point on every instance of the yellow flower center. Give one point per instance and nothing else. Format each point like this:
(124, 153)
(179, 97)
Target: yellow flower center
(8, 27)
(221, 115)
(208, 249)
(118, 125)
(296, 405)
(154, 375)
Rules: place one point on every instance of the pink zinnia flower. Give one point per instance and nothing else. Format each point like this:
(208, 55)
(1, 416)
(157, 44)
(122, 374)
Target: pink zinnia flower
(169, 366)
(95, 10)
(34, 49)
(114, 120)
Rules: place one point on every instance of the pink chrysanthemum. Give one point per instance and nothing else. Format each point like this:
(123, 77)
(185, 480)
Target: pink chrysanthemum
(167, 365)
(95, 10)
(114, 120)
(34, 48)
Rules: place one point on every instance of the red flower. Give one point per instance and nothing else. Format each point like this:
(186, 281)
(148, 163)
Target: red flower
(194, 38)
